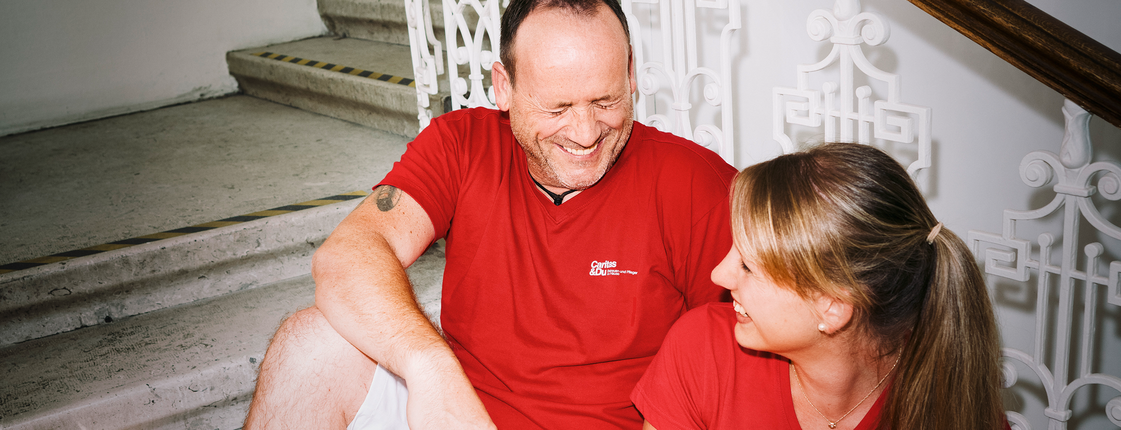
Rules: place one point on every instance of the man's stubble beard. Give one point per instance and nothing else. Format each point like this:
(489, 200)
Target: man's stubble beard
(536, 157)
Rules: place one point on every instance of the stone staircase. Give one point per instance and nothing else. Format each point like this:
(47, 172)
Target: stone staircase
(374, 20)
(363, 74)
(361, 81)
(169, 333)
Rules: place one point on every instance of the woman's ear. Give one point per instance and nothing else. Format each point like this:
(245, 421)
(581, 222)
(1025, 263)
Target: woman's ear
(835, 313)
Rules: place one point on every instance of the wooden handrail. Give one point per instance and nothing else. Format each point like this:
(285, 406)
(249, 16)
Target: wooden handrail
(1077, 66)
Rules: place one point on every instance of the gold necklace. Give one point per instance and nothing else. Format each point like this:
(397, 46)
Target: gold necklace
(832, 423)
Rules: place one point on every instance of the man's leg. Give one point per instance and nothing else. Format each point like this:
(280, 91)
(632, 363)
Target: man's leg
(310, 378)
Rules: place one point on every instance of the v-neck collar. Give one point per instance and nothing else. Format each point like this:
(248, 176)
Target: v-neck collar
(579, 201)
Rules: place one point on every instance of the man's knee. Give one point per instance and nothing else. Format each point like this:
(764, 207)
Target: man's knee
(307, 326)
(307, 336)
(310, 371)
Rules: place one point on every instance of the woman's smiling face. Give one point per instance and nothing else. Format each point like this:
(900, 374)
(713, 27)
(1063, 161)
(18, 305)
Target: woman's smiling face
(769, 317)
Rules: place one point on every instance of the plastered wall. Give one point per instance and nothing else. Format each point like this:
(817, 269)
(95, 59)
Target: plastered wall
(71, 60)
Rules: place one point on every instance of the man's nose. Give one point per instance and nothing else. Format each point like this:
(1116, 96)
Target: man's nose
(582, 129)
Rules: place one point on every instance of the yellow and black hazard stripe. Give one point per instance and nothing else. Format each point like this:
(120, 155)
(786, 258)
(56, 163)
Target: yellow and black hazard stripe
(338, 68)
(63, 256)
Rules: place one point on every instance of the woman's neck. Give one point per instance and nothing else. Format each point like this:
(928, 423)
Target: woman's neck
(838, 386)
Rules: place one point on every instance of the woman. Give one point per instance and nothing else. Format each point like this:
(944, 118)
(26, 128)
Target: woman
(854, 307)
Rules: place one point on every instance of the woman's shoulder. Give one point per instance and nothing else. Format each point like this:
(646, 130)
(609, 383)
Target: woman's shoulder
(703, 376)
(716, 317)
(711, 327)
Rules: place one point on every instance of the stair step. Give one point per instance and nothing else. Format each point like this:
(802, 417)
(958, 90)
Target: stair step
(322, 75)
(112, 285)
(84, 185)
(377, 20)
(191, 366)
(150, 371)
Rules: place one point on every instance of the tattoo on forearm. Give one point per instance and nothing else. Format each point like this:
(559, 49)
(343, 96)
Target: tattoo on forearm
(387, 197)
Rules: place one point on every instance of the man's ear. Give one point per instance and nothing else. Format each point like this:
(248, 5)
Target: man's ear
(503, 90)
(631, 76)
(835, 313)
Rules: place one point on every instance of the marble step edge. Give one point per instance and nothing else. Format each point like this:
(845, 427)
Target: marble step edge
(377, 20)
(377, 100)
(190, 366)
(100, 288)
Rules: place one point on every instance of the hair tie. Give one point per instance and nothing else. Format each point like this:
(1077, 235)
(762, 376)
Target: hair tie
(933, 233)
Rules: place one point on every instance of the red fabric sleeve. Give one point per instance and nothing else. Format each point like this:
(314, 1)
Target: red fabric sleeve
(679, 382)
(692, 186)
(710, 242)
(432, 169)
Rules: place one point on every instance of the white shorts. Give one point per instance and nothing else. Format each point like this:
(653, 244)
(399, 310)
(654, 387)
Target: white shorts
(384, 407)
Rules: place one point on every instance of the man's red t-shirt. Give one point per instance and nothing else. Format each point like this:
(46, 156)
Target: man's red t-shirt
(556, 311)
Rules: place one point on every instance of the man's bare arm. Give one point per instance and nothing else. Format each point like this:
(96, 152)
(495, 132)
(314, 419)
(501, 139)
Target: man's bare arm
(363, 291)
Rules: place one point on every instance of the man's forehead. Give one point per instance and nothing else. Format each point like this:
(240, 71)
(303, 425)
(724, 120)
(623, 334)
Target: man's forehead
(550, 24)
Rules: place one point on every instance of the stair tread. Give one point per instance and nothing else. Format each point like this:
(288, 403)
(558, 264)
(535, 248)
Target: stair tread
(152, 368)
(194, 363)
(380, 57)
(383, 20)
(353, 94)
(214, 159)
(376, 9)
(91, 365)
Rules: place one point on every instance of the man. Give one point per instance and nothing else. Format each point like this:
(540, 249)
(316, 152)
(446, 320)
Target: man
(574, 239)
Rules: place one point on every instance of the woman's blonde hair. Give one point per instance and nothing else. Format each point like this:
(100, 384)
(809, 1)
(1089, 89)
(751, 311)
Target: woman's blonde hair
(846, 221)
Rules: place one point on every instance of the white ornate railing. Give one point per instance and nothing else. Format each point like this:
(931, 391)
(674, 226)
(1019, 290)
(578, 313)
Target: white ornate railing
(847, 112)
(475, 48)
(426, 56)
(1009, 256)
(671, 77)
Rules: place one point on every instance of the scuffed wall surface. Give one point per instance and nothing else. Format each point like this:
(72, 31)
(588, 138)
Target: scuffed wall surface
(69, 60)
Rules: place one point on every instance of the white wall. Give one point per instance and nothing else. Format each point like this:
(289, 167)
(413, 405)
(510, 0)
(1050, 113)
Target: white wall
(987, 115)
(73, 60)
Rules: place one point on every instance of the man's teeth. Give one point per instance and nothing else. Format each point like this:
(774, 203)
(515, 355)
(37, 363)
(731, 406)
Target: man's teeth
(581, 151)
(739, 309)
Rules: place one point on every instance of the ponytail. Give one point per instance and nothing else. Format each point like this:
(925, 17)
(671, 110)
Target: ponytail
(950, 363)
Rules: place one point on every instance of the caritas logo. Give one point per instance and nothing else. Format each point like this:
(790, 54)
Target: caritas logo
(607, 268)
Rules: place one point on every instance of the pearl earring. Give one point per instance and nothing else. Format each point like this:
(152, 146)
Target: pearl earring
(821, 327)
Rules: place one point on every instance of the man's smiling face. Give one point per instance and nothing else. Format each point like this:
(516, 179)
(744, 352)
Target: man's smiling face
(570, 106)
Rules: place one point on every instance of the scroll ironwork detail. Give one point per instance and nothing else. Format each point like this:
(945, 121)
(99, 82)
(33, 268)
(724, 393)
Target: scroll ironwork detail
(850, 113)
(474, 48)
(1076, 179)
(426, 53)
(676, 73)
